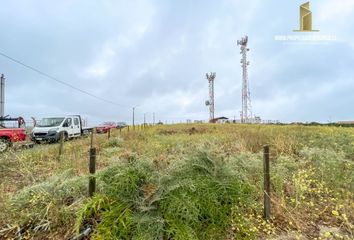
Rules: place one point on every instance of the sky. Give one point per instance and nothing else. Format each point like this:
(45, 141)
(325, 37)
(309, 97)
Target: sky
(154, 54)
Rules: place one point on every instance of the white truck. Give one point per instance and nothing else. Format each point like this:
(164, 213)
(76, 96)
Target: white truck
(50, 129)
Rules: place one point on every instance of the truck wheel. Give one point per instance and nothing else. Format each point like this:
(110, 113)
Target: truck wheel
(63, 134)
(4, 145)
(66, 137)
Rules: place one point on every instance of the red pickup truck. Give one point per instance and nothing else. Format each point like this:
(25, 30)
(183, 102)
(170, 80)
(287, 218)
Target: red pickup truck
(105, 127)
(9, 136)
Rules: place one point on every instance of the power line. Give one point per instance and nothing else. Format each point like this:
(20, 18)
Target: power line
(60, 81)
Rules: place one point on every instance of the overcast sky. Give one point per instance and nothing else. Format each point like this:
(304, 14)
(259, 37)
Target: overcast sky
(155, 53)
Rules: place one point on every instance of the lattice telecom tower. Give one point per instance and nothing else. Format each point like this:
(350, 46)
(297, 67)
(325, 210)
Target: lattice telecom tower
(246, 113)
(211, 76)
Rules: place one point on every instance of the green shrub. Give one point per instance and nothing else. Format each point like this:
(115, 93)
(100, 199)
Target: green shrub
(193, 200)
(332, 167)
(47, 204)
(113, 143)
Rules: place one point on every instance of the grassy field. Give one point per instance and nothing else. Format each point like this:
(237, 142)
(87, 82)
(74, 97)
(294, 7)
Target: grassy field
(184, 182)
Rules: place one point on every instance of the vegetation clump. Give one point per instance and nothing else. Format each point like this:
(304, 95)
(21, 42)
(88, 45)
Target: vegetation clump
(192, 200)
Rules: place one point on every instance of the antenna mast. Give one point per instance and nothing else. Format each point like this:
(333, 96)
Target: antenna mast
(211, 77)
(246, 113)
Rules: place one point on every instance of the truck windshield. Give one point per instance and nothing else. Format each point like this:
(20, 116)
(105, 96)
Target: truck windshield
(50, 122)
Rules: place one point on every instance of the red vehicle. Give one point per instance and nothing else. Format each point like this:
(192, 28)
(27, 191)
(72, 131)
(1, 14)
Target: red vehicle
(104, 127)
(8, 136)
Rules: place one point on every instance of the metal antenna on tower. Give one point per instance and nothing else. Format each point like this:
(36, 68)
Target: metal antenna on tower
(246, 113)
(211, 76)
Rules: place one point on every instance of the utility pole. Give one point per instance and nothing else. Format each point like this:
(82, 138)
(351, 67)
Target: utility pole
(246, 113)
(2, 96)
(134, 116)
(211, 76)
(144, 119)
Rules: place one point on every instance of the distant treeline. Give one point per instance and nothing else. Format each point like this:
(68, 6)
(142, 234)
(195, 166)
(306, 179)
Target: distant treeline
(325, 124)
(313, 124)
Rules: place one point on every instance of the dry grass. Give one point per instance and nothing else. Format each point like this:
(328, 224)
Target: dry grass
(312, 177)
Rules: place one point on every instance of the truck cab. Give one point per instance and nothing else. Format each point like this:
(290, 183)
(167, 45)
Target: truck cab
(50, 129)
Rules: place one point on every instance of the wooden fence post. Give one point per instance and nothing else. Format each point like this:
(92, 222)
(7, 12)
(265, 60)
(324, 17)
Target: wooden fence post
(92, 170)
(92, 166)
(109, 133)
(266, 182)
(61, 145)
(91, 140)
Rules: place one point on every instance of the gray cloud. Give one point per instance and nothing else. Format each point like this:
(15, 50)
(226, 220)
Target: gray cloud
(155, 54)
